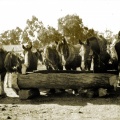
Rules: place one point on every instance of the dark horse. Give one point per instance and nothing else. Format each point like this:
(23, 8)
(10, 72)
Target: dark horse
(3, 54)
(9, 62)
(13, 65)
(52, 58)
(70, 55)
(100, 57)
(31, 57)
(52, 61)
(13, 62)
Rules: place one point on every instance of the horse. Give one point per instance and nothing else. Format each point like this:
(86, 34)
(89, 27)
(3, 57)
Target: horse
(99, 55)
(3, 54)
(114, 51)
(31, 57)
(52, 61)
(52, 58)
(69, 54)
(13, 65)
(9, 63)
(13, 62)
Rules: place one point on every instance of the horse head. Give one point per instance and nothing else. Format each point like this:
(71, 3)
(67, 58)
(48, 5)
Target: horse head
(86, 52)
(52, 58)
(27, 46)
(12, 62)
(100, 55)
(30, 57)
(63, 49)
(114, 51)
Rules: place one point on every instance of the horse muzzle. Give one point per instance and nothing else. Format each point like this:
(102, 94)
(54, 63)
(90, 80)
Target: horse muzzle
(24, 69)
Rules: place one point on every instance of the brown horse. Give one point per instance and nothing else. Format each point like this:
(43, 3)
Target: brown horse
(71, 58)
(9, 63)
(31, 57)
(52, 58)
(100, 57)
(52, 61)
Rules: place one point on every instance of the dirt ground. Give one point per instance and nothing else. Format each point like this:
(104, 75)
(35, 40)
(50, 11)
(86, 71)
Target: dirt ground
(60, 107)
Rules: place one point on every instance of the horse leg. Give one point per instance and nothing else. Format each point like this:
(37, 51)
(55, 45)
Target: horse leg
(60, 67)
(96, 64)
(74, 68)
(89, 64)
(67, 67)
(2, 83)
(75, 92)
(81, 68)
(52, 91)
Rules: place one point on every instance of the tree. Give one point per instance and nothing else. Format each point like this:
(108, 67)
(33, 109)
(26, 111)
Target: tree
(48, 35)
(32, 30)
(11, 36)
(71, 27)
(53, 34)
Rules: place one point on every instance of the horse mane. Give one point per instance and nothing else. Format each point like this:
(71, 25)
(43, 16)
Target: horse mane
(94, 44)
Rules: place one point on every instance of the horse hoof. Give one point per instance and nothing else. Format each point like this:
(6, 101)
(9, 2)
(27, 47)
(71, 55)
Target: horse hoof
(51, 91)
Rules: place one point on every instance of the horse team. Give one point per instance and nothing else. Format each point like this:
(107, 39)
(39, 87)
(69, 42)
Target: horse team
(62, 55)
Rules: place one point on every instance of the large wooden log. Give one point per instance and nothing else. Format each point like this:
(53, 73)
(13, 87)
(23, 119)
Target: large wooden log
(66, 80)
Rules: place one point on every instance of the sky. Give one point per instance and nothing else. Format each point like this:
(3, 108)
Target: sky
(97, 14)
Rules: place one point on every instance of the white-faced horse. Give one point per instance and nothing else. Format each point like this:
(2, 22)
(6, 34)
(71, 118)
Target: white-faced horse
(31, 57)
(114, 51)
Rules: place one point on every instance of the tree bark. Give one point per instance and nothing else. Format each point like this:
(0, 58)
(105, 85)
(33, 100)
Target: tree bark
(66, 80)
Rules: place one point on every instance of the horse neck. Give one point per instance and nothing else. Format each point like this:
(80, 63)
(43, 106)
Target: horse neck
(2, 59)
(31, 60)
(71, 53)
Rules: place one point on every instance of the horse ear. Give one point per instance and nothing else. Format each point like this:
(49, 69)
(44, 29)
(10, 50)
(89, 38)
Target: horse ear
(23, 46)
(87, 41)
(80, 42)
(56, 42)
(64, 41)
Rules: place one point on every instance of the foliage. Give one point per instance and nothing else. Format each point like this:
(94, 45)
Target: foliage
(69, 26)
(11, 36)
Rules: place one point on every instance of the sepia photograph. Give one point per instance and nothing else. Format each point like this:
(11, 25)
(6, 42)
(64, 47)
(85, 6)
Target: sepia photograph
(59, 59)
